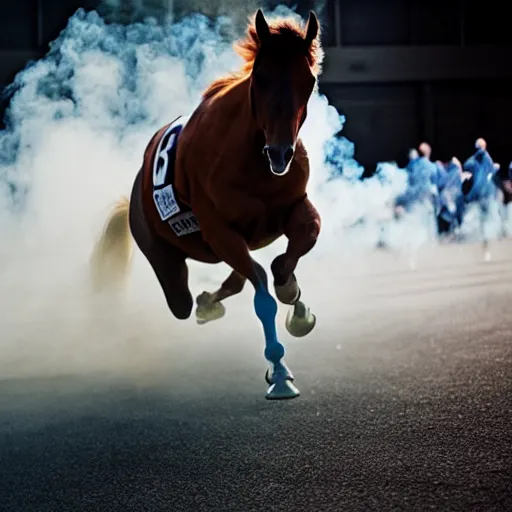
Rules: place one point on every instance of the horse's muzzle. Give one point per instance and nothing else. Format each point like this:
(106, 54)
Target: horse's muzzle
(279, 158)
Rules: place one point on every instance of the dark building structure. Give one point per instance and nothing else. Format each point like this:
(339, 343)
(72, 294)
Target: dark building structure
(400, 70)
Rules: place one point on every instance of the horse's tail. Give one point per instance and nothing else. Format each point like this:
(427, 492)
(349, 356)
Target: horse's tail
(112, 255)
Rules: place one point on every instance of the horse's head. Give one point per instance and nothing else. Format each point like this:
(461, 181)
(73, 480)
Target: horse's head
(282, 80)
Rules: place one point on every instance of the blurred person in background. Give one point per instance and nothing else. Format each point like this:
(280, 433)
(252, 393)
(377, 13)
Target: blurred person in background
(480, 188)
(451, 200)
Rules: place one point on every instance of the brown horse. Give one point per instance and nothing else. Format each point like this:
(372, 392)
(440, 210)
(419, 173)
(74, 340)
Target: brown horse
(228, 180)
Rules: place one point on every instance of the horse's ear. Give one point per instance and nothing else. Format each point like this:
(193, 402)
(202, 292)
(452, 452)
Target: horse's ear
(311, 28)
(262, 28)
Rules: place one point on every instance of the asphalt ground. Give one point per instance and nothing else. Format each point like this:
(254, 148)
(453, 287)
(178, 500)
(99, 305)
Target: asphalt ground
(405, 404)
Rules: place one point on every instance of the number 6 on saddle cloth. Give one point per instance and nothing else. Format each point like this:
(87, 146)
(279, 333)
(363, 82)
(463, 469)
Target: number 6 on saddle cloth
(163, 180)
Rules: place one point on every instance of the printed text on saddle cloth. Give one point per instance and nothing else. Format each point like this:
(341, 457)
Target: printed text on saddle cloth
(163, 178)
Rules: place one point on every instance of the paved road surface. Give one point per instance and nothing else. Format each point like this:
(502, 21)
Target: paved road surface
(406, 405)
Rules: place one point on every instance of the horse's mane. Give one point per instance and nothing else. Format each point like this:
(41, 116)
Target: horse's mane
(291, 36)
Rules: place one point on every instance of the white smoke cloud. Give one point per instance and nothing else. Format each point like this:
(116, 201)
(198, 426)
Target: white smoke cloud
(78, 124)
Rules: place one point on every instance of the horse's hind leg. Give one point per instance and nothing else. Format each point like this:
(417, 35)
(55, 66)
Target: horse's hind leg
(302, 230)
(171, 271)
(168, 262)
(209, 305)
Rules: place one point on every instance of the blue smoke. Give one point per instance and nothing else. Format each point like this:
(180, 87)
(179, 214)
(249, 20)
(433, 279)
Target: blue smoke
(49, 86)
(192, 41)
(339, 156)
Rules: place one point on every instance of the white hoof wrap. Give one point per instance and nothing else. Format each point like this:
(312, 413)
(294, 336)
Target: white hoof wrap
(300, 321)
(281, 384)
(207, 309)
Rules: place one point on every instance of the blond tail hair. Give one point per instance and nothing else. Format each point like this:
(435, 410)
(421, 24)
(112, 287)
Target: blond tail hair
(112, 255)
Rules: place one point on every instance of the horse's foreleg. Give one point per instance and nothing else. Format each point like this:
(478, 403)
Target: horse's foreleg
(209, 305)
(278, 377)
(302, 229)
(231, 248)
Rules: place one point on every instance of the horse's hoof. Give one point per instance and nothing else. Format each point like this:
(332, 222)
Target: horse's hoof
(289, 293)
(208, 310)
(300, 321)
(270, 381)
(282, 389)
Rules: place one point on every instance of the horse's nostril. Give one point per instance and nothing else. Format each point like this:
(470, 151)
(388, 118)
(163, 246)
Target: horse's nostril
(273, 153)
(279, 153)
(279, 157)
(288, 154)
